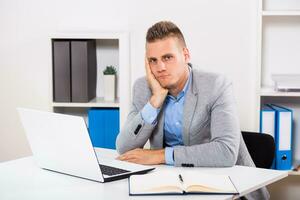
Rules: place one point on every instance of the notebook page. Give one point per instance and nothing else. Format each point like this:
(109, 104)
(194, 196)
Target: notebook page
(208, 182)
(155, 182)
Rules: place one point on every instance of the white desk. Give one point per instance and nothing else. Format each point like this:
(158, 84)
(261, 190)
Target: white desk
(22, 179)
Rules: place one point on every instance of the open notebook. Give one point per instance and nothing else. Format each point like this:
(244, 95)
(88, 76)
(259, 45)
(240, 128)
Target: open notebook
(185, 182)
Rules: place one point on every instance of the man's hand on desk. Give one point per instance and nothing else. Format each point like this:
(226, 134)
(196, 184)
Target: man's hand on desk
(144, 156)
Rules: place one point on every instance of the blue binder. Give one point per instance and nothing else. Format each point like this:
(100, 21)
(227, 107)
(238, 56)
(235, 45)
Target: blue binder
(268, 125)
(104, 127)
(284, 127)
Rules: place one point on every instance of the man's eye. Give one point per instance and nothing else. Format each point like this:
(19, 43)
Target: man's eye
(152, 61)
(167, 58)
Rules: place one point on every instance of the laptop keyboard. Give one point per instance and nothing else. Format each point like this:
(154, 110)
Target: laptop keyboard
(108, 170)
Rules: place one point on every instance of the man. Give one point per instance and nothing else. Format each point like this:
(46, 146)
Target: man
(189, 116)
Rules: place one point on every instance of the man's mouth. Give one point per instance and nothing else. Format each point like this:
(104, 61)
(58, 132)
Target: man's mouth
(163, 76)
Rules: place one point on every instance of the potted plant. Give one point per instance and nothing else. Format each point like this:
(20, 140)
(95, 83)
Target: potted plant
(110, 73)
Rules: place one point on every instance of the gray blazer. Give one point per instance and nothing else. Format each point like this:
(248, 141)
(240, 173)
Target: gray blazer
(211, 132)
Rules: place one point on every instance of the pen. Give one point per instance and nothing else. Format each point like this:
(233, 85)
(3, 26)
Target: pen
(180, 178)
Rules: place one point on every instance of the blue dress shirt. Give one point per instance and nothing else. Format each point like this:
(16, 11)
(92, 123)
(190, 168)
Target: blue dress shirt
(173, 119)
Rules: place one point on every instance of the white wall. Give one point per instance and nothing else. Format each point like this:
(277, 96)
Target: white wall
(221, 36)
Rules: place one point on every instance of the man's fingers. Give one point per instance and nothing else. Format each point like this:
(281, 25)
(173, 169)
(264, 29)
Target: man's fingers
(123, 157)
(133, 154)
(135, 160)
(120, 157)
(147, 67)
(126, 156)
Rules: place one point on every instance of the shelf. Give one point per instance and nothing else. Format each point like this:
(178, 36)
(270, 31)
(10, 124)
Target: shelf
(269, 91)
(98, 102)
(281, 13)
(89, 35)
(112, 48)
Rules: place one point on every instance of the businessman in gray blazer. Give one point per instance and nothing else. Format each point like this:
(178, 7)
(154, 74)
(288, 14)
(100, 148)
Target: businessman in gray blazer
(189, 116)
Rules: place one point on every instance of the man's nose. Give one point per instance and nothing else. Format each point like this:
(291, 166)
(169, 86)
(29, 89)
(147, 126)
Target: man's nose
(161, 66)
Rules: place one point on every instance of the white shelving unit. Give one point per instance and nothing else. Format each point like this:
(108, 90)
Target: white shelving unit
(280, 13)
(270, 92)
(278, 43)
(97, 102)
(112, 48)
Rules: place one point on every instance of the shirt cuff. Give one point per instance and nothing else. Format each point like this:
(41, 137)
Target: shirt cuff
(149, 113)
(169, 151)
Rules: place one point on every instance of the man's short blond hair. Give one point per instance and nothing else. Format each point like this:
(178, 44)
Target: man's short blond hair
(162, 30)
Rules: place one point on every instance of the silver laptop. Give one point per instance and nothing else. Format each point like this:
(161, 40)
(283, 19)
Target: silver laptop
(61, 143)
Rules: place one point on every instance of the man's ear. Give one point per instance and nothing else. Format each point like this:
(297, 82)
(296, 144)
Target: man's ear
(186, 55)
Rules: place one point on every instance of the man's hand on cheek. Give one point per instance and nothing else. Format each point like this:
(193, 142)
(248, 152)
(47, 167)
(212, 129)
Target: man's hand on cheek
(158, 92)
(144, 156)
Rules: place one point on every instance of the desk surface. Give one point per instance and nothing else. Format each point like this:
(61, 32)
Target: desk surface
(22, 179)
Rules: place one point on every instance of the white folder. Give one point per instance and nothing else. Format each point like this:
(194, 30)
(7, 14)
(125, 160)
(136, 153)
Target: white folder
(267, 120)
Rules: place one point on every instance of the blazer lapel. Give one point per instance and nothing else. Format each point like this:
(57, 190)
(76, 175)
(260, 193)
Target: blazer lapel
(189, 108)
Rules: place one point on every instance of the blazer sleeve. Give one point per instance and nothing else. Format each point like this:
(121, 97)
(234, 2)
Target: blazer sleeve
(222, 150)
(135, 132)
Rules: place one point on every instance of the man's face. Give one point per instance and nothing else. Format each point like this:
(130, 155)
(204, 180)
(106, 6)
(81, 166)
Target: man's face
(168, 61)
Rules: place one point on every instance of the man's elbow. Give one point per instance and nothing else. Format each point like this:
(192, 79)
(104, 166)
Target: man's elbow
(120, 147)
(119, 150)
(230, 158)
(230, 162)
(229, 154)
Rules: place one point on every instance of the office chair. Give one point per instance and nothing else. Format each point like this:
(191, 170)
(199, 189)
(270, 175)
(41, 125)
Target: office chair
(261, 147)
